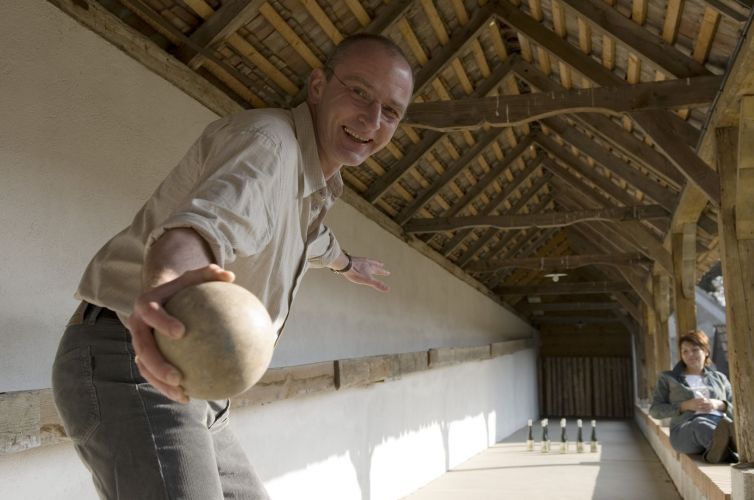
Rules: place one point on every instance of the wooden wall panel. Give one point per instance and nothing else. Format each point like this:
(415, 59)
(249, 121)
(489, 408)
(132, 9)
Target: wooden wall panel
(586, 387)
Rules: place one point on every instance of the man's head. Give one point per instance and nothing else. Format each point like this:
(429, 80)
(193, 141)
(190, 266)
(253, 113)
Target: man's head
(358, 99)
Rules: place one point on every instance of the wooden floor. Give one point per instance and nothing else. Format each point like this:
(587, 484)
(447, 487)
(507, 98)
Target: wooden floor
(625, 467)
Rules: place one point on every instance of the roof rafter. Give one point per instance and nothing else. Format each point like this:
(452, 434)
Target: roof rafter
(662, 127)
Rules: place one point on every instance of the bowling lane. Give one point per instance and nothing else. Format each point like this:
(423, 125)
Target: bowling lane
(624, 467)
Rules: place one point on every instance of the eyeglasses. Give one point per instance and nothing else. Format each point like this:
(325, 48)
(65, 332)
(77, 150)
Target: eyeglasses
(365, 98)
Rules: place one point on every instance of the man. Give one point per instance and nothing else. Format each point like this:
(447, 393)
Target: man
(246, 203)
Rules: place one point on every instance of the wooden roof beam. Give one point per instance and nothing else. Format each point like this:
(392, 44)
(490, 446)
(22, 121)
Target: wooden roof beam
(529, 307)
(562, 288)
(549, 219)
(510, 110)
(490, 177)
(561, 262)
(636, 235)
(661, 126)
(646, 185)
(495, 202)
(613, 134)
(482, 241)
(450, 173)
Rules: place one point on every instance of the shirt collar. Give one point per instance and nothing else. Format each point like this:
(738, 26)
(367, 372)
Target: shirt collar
(314, 179)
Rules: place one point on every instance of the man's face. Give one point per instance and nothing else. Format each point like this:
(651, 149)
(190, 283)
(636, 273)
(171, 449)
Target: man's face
(357, 111)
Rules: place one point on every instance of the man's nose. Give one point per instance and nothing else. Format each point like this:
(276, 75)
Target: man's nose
(372, 114)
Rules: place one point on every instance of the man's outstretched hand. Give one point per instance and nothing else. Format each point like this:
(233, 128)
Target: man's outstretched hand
(149, 317)
(363, 271)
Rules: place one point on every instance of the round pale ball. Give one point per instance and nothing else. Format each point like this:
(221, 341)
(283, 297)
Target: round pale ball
(228, 343)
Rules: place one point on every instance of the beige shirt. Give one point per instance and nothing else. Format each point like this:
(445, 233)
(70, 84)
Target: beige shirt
(253, 188)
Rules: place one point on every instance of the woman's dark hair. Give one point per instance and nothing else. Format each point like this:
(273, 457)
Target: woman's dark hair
(698, 338)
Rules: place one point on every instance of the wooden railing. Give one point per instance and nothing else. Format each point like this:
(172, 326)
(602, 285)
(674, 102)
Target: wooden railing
(29, 419)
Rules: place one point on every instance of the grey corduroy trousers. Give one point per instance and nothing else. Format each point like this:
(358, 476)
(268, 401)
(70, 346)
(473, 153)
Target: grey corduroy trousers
(137, 443)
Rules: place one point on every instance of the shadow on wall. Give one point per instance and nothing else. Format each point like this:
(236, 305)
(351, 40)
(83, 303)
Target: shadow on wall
(386, 440)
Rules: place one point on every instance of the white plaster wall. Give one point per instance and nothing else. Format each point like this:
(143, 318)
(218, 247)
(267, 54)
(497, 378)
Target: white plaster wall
(86, 135)
(379, 442)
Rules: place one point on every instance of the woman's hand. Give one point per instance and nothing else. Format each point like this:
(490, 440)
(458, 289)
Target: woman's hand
(704, 405)
(149, 315)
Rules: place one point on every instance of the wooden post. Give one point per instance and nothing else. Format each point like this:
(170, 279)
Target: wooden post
(661, 291)
(737, 189)
(650, 337)
(684, 263)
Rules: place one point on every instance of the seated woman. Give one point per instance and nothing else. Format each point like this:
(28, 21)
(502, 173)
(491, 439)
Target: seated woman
(699, 402)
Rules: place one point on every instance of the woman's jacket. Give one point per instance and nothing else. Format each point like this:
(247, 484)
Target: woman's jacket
(672, 390)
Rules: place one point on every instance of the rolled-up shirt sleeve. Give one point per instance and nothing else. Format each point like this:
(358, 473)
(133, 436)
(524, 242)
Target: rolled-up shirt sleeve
(233, 204)
(324, 249)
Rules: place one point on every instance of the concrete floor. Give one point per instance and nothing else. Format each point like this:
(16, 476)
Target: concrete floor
(624, 467)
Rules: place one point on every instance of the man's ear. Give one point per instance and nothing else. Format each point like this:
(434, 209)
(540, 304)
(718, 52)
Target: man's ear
(316, 85)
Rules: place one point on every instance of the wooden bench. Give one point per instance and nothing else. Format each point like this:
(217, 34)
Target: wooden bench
(693, 477)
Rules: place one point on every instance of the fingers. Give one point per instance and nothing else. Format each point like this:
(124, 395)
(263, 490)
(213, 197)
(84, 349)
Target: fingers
(176, 393)
(149, 318)
(150, 359)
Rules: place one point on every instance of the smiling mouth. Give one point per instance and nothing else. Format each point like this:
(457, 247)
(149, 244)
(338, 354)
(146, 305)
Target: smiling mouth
(356, 137)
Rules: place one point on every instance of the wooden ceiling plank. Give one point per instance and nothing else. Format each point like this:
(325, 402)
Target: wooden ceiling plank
(650, 46)
(535, 7)
(639, 12)
(706, 34)
(324, 22)
(608, 52)
(202, 8)
(455, 45)
(290, 36)
(739, 15)
(673, 15)
(236, 81)
(559, 19)
(434, 20)
(460, 12)
(229, 18)
(358, 12)
(247, 51)
(585, 36)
